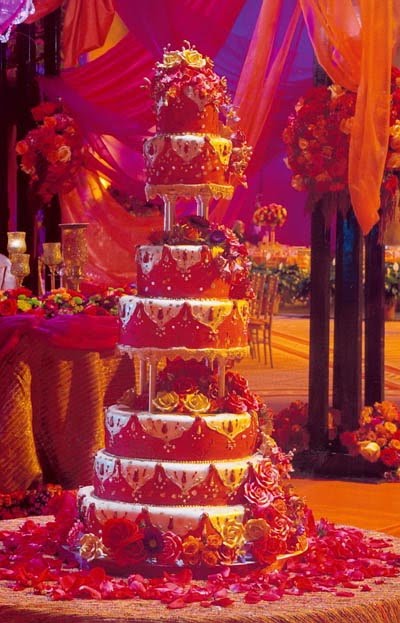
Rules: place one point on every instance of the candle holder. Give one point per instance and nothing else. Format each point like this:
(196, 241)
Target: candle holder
(75, 252)
(19, 267)
(16, 242)
(52, 258)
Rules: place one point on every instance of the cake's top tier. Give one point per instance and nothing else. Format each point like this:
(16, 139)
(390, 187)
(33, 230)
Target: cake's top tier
(188, 94)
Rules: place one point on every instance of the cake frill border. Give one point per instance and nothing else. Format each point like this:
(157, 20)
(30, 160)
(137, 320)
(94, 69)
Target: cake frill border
(154, 354)
(175, 191)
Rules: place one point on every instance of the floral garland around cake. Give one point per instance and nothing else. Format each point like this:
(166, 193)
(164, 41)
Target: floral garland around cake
(317, 139)
(53, 152)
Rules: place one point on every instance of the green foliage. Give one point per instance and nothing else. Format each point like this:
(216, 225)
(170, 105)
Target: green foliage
(294, 283)
(392, 281)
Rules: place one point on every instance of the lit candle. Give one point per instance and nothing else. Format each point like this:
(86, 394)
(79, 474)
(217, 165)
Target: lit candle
(16, 242)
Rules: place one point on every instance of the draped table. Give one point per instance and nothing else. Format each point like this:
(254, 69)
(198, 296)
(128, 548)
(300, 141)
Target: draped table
(380, 605)
(56, 376)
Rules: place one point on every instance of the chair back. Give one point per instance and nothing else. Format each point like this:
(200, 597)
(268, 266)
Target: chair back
(256, 303)
(270, 296)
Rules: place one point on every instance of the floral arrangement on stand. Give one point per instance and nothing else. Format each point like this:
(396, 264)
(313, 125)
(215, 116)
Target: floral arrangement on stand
(378, 437)
(317, 139)
(62, 301)
(392, 287)
(53, 152)
(272, 215)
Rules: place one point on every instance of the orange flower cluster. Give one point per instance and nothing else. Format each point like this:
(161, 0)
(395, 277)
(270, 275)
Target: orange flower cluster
(53, 153)
(378, 437)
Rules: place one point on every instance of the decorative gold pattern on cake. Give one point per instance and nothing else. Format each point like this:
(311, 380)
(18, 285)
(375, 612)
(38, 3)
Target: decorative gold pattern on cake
(174, 191)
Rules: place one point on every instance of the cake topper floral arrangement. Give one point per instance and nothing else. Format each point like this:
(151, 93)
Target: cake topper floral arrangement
(53, 152)
(317, 139)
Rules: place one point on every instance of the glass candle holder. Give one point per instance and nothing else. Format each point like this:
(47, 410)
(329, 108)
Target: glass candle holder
(19, 267)
(75, 252)
(16, 242)
(52, 258)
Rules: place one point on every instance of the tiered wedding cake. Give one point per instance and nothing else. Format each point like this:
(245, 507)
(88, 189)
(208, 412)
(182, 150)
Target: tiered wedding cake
(187, 476)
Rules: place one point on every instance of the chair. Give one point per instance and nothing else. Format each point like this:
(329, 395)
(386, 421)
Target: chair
(257, 284)
(7, 280)
(260, 325)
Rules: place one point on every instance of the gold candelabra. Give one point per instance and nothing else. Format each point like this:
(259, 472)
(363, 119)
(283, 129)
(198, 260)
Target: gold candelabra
(75, 252)
(52, 258)
(19, 267)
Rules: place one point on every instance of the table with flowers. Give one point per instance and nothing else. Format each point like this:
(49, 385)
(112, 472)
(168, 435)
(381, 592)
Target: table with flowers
(58, 369)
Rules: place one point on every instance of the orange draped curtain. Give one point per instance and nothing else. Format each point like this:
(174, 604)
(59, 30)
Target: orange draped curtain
(354, 44)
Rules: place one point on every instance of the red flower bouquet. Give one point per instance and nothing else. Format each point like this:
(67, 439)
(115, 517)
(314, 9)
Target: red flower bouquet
(53, 153)
(290, 427)
(317, 139)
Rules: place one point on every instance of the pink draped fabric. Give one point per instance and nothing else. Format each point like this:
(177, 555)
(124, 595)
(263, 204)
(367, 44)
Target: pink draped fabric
(115, 113)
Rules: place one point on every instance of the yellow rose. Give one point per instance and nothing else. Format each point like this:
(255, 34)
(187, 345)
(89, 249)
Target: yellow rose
(393, 160)
(395, 136)
(196, 403)
(232, 533)
(171, 58)
(255, 529)
(91, 547)
(390, 427)
(193, 58)
(215, 251)
(370, 450)
(64, 153)
(166, 401)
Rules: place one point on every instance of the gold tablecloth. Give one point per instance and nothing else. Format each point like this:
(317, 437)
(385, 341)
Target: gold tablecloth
(52, 411)
(380, 605)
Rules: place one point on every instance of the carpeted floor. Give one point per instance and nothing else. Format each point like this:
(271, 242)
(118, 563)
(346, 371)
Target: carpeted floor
(288, 379)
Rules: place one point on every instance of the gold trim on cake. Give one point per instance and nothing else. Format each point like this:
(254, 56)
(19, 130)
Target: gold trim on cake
(187, 191)
(153, 354)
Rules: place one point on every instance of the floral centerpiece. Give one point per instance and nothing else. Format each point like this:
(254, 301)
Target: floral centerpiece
(317, 139)
(53, 153)
(378, 438)
(61, 301)
(272, 215)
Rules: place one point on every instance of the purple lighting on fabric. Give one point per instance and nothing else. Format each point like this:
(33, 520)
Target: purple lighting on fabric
(13, 12)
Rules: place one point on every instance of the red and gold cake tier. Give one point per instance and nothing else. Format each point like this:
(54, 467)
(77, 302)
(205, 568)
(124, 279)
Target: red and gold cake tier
(185, 270)
(183, 323)
(210, 435)
(193, 152)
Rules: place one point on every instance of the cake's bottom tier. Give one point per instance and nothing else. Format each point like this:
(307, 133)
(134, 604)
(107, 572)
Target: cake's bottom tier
(178, 519)
(146, 481)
